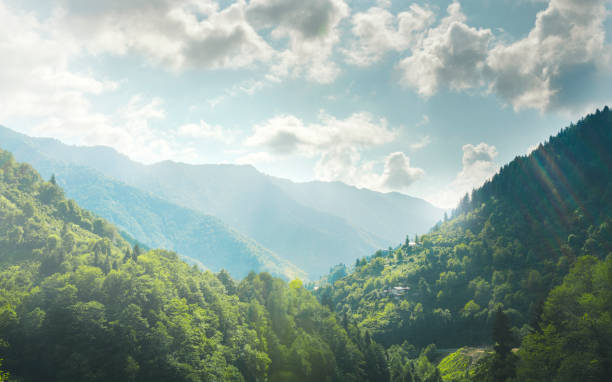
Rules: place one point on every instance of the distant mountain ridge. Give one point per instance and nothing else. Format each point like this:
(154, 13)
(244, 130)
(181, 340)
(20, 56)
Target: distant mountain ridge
(373, 211)
(203, 239)
(304, 224)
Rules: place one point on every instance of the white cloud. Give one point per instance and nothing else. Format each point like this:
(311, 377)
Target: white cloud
(337, 145)
(550, 68)
(478, 165)
(312, 31)
(34, 69)
(183, 34)
(176, 33)
(452, 54)
(129, 130)
(398, 175)
(201, 34)
(377, 31)
(346, 165)
(287, 134)
(342, 164)
(562, 53)
(532, 148)
(473, 154)
(424, 141)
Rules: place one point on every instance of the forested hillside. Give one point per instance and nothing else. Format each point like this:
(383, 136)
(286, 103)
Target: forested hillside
(77, 303)
(506, 246)
(203, 238)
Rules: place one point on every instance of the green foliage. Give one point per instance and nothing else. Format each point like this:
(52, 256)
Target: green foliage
(574, 342)
(202, 238)
(461, 365)
(407, 365)
(506, 246)
(499, 366)
(77, 303)
(4, 376)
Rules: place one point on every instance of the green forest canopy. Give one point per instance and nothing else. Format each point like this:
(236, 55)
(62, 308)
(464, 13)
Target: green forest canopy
(77, 302)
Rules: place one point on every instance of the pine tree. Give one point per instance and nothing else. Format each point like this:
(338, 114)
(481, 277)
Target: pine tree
(136, 252)
(504, 361)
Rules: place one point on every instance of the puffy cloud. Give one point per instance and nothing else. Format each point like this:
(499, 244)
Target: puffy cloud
(337, 144)
(129, 130)
(308, 19)
(377, 31)
(479, 153)
(342, 164)
(478, 165)
(312, 30)
(452, 54)
(398, 175)
(345, 164)
(34, 69)
(551, 67)
(562, 53)
(422, 142)
(287, 134)
(176, 33)
(183, 34)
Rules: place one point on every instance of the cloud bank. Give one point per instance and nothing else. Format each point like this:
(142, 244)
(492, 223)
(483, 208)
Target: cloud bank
(337, 145)
(478, 165)
(549, 69)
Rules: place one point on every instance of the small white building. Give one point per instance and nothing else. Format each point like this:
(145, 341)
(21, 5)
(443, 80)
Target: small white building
(397, 290)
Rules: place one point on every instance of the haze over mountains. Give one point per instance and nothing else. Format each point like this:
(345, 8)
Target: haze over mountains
(293, 226)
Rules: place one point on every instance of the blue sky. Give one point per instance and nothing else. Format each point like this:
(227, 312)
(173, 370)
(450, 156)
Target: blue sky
(425, 98)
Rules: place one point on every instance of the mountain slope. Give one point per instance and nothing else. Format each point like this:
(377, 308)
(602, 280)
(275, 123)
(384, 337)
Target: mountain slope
(157, 223)
(311, 234)
(78, 304)
(160, 224)
(387, 216)
(506, 247)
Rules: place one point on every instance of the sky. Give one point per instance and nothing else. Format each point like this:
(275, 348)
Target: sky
(427, 98)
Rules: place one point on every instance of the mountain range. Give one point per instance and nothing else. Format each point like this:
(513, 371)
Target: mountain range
(231, 216)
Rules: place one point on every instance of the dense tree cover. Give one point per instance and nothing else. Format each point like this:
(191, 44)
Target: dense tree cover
(504, 248)
(570, 342)
(78, 303)
(573, 341)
